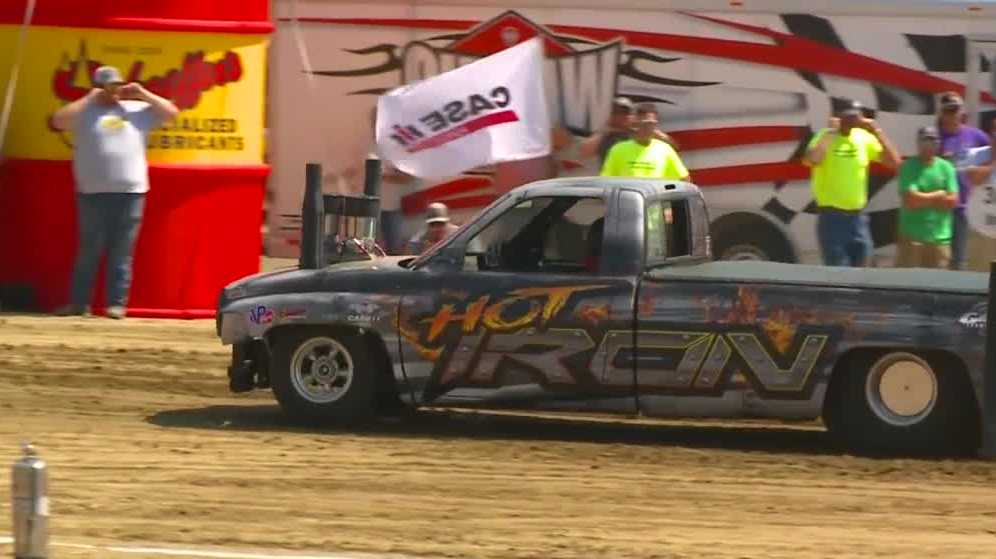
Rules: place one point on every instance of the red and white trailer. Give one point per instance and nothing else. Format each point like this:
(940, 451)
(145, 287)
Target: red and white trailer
(741, 85)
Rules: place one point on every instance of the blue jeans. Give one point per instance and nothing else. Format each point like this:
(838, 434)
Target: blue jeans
(959, 238)
(106, 221)
(845, 239)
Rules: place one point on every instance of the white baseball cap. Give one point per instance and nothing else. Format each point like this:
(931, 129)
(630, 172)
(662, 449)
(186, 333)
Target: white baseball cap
(107, 75)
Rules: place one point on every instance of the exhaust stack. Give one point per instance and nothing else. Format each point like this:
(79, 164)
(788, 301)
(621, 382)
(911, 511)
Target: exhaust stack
(338, 228)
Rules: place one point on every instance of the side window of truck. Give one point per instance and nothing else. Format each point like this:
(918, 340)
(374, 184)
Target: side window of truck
(549, 234)
(668, 230)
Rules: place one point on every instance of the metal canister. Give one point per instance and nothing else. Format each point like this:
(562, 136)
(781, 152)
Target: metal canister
(30, 506)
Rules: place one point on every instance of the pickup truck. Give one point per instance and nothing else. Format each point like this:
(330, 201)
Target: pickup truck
(600, 295)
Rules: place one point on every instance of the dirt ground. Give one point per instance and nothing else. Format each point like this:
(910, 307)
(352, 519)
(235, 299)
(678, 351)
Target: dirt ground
(145, 444)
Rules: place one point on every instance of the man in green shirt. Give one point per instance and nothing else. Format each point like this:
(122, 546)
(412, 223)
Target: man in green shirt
(644, 155)
(840, 159)
(928, 192)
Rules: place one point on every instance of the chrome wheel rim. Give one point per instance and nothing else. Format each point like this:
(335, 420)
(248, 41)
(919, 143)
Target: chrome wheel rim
(322, 370)
(901, 389)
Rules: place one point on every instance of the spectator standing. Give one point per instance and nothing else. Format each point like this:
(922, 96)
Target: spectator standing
(110, 126)
(619, 128)
(840, 159)
(644, 155)
(957, 139)
(928, 192)
(437, 228)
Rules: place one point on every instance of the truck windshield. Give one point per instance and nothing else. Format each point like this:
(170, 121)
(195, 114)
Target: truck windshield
(551, 234)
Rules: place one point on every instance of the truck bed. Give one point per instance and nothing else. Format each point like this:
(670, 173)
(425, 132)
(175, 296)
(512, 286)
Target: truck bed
(932, 281)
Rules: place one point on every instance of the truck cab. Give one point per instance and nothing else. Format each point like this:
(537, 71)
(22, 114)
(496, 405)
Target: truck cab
(518, 271)
(571, 226)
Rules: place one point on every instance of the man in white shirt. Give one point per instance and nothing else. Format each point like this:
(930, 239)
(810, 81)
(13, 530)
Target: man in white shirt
(110, 126)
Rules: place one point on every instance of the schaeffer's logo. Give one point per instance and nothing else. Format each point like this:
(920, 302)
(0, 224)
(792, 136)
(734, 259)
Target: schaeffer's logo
(183, 85)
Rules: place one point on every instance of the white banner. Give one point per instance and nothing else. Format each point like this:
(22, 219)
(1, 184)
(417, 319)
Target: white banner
(489, 111)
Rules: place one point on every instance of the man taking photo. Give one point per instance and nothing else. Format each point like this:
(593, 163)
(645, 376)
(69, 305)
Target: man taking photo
(619, 128)
(110, 126)
(840, 159)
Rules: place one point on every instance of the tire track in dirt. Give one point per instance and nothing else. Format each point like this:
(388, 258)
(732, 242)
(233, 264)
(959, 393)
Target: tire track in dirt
(145, 444)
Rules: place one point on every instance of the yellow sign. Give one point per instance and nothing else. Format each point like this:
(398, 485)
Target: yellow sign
(216, 80)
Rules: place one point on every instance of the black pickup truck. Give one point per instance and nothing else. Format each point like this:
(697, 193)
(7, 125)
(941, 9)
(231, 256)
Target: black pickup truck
(600, 295)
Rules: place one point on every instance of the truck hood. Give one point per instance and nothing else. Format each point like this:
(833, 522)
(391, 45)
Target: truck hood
(932, 281)
(296, 280)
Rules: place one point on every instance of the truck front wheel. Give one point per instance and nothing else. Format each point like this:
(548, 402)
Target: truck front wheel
(322, 376)
(898, 401)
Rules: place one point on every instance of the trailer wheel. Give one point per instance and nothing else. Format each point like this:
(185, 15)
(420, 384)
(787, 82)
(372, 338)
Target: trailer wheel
(322, 376)
(744, 251)
(744, 236)
(898, 401)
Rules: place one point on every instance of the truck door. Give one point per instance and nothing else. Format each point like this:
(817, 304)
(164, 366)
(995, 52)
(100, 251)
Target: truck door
(678, 357)
(512, 311)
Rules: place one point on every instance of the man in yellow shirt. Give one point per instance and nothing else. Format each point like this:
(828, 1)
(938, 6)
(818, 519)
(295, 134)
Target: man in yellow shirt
(644, 155)
(840, 159)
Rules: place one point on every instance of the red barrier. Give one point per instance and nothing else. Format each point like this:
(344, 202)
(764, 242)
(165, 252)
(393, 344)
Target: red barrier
(201, 231)
(204, 211)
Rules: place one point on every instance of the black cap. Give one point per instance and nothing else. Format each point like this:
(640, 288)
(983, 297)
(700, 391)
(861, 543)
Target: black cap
(622, 104)
(951, 101)
(928, 133)
(851, 107)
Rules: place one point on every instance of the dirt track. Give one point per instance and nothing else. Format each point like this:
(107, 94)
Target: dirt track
(146, 445)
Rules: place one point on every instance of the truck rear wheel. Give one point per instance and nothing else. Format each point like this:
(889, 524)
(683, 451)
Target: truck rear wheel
(898, 401)
(322, 376)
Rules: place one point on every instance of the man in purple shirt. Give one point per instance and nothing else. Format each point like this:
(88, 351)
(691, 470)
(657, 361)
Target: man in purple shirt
(956, 139)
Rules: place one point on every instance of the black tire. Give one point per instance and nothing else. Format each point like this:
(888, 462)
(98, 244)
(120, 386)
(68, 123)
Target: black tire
(860, 416)
(746, 237)
(747, 250)
(325, 397)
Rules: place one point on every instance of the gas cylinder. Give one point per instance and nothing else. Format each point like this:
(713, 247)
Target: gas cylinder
(30, 506)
